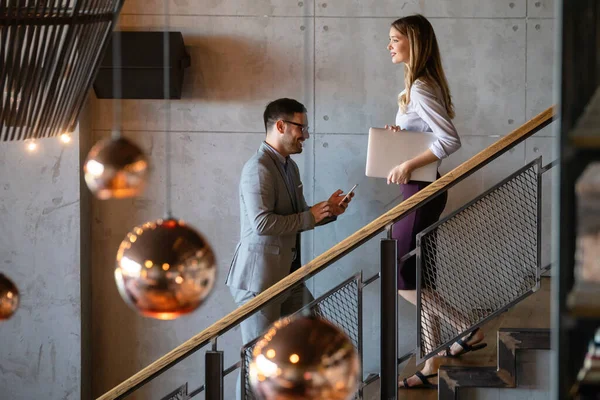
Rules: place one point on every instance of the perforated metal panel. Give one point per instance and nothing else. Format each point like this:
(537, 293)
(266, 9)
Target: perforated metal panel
(478, 261)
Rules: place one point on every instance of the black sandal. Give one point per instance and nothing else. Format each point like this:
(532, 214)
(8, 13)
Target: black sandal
(466, 348)
(424, 378)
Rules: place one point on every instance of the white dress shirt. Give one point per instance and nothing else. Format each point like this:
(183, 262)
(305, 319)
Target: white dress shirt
(427, 113)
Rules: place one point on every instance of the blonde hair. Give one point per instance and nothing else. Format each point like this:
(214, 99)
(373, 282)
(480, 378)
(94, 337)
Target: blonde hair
(425, 63)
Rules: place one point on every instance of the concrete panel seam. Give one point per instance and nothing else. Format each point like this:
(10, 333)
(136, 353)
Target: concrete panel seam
(320, 16)
(314, 148)
(172, 131)
(526, 61)
(218, 15)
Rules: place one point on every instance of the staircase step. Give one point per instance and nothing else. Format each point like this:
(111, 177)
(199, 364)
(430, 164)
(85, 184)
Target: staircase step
(531, 315)
(504, 375)
(511, 340)
(452, 377)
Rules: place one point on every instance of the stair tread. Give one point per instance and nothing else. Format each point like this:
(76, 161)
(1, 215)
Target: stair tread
(533, 312)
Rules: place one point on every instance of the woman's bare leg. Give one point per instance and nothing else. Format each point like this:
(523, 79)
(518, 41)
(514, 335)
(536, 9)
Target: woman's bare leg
(445, 311)
(438, 307)
(432, 364)
(439, 310)
(452, 316)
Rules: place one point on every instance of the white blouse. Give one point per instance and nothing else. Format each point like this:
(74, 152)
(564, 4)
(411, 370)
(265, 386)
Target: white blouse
(427, 113)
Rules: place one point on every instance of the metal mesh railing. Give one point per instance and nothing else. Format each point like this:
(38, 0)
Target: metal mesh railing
(340, 306)
(478, 261)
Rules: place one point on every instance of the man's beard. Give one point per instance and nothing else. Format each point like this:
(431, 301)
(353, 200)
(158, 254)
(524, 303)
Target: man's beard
(292, 145)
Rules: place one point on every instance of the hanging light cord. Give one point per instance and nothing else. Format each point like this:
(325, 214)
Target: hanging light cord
(117, 91)
(167, 94)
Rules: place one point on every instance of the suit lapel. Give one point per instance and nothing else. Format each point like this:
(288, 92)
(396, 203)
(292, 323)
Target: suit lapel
(297, 185)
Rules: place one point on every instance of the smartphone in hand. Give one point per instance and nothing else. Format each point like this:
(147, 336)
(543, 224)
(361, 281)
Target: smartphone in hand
(347, 196)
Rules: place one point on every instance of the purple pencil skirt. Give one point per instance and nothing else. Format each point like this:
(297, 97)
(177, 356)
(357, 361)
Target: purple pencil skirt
(405, 231)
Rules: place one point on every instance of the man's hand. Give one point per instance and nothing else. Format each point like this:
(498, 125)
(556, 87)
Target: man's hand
(338, 203)
(400, 174)
(321, 211)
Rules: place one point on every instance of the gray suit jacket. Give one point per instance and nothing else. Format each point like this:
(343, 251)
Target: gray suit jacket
(269, 223)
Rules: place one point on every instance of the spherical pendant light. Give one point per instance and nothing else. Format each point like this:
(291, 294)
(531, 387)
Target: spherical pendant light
(9, 298)
(165, 269)
(304, 358)
(115, 168)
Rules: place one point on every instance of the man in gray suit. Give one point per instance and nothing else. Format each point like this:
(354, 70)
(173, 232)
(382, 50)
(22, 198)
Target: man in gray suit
(273, 212)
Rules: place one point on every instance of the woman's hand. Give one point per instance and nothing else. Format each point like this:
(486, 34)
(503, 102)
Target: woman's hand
(400, 174)
(394, 128)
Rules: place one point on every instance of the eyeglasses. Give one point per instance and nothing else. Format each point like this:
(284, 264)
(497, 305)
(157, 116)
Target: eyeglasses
(304, 127)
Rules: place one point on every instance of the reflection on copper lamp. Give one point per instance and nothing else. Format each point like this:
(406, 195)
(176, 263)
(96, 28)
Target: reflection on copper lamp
(165, 269)
(304, 358)
(115, 168)
(9, 298)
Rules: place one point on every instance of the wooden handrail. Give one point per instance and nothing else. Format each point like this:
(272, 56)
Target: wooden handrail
(339, 250)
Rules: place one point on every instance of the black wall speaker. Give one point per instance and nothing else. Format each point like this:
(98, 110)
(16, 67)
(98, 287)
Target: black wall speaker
(141, 65)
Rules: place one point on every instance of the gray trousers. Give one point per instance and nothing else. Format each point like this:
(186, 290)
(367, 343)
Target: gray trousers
(260, 321)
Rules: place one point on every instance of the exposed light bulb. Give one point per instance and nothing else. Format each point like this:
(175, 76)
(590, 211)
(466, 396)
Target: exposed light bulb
(65, 138)
(31, 145)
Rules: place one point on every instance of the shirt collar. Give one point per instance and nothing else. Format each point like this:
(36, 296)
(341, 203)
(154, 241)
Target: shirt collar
(283, 160)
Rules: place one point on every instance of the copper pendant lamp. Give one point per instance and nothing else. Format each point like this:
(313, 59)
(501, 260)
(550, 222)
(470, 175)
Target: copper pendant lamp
(116, 168)
(9, 298)
(304, 358)
(165, 269)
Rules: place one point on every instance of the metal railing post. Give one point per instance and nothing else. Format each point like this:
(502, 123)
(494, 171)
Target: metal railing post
(213, 375)
(389, 319)
(359, 303)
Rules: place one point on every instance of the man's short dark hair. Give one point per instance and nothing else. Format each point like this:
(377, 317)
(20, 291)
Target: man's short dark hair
(281, 109)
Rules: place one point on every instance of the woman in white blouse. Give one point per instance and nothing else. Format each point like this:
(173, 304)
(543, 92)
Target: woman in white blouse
(425, 105)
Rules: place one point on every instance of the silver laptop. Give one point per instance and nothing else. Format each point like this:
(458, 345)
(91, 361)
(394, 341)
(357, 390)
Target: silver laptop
(387, 149)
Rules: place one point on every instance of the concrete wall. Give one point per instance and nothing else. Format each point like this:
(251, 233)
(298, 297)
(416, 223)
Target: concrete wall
(332, 56)
(41, 345)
